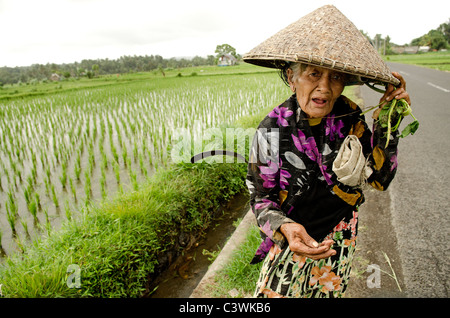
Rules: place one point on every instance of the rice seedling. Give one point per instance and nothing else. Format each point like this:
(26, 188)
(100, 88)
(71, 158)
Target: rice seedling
(27, 193)
(77, 171)
(73, 189)
(37, 198)
(63, 176)
(47, 222)
(32, 207)
(117, 172)
(24, 225)
(2, 252)
(103, 186)
(87, 184)
(67, 210)
(11, 211)
(54, 196)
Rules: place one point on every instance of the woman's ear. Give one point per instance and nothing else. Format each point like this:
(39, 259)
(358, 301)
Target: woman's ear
(290, 75)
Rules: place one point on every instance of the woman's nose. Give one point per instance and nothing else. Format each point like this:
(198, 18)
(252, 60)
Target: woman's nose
(324, 84)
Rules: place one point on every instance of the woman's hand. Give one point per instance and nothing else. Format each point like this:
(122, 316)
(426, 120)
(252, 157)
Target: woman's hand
(393, 92)
(396, 92)
(304, 245)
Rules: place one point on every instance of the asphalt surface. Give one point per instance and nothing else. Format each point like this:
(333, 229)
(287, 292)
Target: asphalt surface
(416, 205)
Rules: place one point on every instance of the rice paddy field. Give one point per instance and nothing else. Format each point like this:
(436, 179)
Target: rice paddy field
(436, 60)
(64, 145)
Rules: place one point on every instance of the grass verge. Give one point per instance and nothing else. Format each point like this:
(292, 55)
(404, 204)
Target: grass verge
(237, 279)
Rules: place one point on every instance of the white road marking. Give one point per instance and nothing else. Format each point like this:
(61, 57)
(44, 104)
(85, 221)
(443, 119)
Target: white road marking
(402, 72)
(438, 87)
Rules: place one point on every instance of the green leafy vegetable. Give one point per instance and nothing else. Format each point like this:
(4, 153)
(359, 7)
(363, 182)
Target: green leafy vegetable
(410, 129)
(403, 109)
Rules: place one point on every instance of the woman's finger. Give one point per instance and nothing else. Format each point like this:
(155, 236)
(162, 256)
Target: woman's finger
(401, 79)
(322, 251)
(398, 92)
(316, 256)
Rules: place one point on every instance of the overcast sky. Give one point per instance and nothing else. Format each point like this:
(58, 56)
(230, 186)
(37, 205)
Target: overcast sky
(66, 31)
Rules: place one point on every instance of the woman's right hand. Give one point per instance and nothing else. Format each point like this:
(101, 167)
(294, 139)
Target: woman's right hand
(304, 245)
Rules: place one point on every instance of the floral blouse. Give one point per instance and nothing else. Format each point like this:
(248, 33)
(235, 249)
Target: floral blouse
(290, 176)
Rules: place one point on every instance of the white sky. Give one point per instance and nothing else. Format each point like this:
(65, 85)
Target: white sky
(66, 31)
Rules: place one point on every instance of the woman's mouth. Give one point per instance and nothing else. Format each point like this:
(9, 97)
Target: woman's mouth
(319, 101)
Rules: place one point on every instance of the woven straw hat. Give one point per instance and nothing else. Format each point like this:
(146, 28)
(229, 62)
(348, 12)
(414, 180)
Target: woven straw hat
(324, 37)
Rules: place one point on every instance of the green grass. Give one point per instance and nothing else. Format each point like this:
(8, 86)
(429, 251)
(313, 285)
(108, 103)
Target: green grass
(238, 278)
(435, 60)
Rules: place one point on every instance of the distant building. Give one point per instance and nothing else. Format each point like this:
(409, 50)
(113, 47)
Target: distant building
(55, 77)
(398, 49)
(410, 49)
(226, 60)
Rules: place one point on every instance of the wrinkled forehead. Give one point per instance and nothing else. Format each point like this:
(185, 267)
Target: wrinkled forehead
(300, 68)
(322, 70)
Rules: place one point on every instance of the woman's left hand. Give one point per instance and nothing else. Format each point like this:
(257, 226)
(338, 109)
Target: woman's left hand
(396, 92)
(393, 92)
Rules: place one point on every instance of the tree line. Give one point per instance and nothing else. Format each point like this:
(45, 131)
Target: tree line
(94, 67)
(436, 39)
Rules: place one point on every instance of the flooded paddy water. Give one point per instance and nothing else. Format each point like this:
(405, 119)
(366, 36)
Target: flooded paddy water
(59, 152)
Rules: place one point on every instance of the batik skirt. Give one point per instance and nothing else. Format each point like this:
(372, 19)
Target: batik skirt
(285, 274)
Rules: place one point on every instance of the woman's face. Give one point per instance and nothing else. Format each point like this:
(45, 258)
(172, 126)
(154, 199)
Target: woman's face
(317, 89)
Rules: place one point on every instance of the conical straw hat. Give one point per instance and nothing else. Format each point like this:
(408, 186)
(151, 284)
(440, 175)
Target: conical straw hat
(324, 37)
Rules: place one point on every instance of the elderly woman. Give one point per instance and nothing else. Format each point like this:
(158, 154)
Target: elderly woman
(307, 214)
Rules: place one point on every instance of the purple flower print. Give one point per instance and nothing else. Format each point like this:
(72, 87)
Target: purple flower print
(283, 176)
(264, 248)
(306, 146)
(394, 161)
(268, 174)
(265, 203)
(281, 113)
(266, 229)
(309, 147)
(323, 168)
(333, 129)
(267, 243)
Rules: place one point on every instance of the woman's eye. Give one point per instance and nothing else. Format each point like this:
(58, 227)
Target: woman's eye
(339, 77)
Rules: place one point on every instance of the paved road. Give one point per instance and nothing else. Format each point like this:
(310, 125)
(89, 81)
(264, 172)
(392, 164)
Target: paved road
(419, 208)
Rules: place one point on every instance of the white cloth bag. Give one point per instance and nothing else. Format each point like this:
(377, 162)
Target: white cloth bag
(350, 166)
